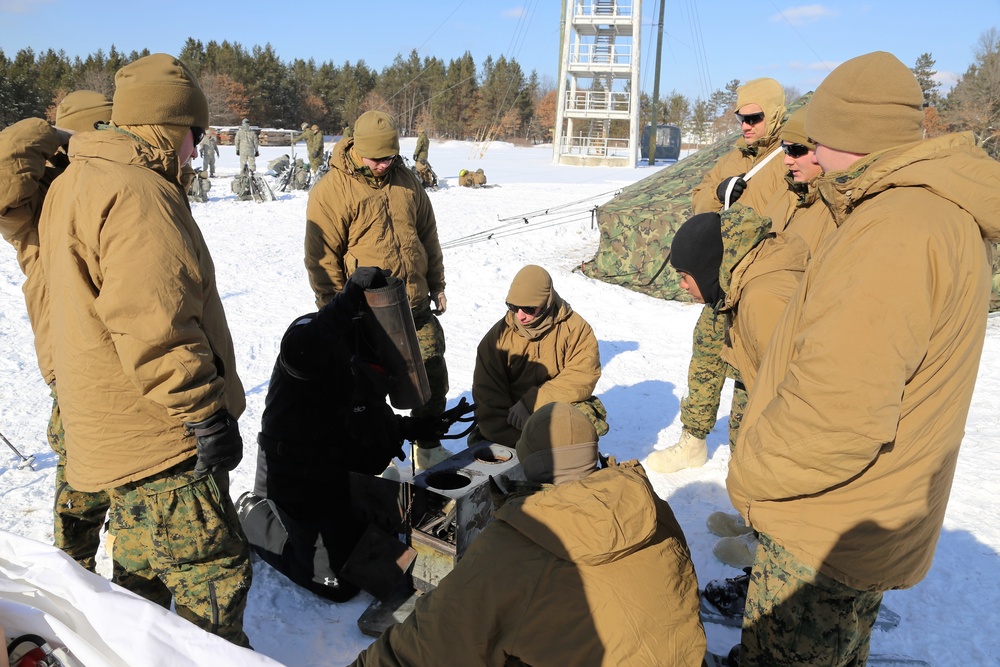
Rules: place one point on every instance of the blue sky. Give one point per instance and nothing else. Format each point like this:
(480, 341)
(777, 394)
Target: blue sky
(706, 44)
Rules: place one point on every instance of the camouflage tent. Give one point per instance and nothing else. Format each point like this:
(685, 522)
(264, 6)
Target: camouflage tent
(638, 225)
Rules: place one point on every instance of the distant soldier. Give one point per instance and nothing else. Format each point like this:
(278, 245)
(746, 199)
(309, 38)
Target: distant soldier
(315, 146)
(247, 146)
(472, 179)
(421, 166)
(209, 148)
(420, 152)
(347, 132)
(198, 186)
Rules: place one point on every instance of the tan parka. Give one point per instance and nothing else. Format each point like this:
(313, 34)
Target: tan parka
(141, 342)
(761, 187)
(351, 223)
(26, 173)
(764, 279)
(592, 572)
(563, 365)
(850, 439)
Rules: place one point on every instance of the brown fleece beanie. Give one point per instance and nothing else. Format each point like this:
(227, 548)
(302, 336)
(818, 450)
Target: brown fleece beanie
(376, 135)
(794, 129)
(768, 95)
(79, 111)
(558, 444)
(531, 287)
(867, 104)
(158, 90)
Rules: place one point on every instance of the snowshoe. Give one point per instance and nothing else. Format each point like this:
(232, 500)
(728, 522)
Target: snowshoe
(723, 601)
(729, 596)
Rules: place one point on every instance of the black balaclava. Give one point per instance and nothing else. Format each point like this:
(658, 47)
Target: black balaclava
(697, 251)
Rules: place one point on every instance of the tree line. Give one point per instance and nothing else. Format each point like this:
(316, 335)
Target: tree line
(454, 100)
(973, 104)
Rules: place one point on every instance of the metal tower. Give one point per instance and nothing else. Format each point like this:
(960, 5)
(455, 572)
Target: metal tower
(597, 118)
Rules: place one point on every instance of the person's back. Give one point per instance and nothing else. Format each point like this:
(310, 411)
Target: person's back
(422, 147)
(559, 577)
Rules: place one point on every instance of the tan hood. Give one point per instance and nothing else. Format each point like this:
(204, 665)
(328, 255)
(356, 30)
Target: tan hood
(597, 520)
(951, 166)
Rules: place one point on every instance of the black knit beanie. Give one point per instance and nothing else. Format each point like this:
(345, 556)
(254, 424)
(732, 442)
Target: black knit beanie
(697, 251)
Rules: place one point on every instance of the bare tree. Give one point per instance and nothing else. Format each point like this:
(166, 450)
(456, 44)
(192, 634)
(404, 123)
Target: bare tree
(97, 80)
(974, 102)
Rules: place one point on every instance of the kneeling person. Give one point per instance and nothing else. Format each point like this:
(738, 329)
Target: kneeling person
(325, 416)
(542, 351)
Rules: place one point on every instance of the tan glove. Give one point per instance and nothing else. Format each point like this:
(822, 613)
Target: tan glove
(440, 303)
(518, 415)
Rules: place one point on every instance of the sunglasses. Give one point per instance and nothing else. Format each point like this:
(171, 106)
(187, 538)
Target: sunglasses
(750, 118)
(527, 310)
(380, 160)
(794, 150)
(198, 135)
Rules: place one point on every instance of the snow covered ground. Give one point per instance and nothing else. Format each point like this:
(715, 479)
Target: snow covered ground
(951, 618)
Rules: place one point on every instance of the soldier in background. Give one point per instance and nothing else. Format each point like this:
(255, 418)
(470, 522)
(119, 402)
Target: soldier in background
(198, 186)
(420, 152)
(369, 209)
(472, 179)
(314, 145)
(209, 150)
(32, 155)
(753, 173)
(420, 164)
(247, 146)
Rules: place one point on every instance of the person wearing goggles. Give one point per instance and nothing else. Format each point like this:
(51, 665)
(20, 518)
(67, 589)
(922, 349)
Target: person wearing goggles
(540, 352)
(752, 173)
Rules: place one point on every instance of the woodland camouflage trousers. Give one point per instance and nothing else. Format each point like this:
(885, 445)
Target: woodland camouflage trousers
(430, 338)
(706, 375)
(173, 535)
(77, 516)
(797, 616)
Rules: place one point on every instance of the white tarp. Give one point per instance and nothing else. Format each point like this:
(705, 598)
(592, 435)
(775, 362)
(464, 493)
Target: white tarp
(44, 592)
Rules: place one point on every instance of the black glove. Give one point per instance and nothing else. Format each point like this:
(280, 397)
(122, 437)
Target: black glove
(220, 447)
(256, 153)
(738, 187)
(435, 426)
